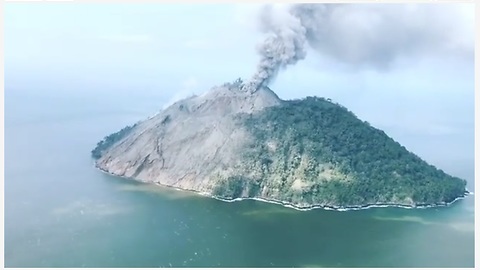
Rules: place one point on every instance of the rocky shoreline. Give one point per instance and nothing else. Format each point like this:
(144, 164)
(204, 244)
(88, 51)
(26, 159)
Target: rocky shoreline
(301, 208)
(348, 208)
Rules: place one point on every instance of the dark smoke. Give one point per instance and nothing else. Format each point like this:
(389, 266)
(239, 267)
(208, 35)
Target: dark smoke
(360, 35)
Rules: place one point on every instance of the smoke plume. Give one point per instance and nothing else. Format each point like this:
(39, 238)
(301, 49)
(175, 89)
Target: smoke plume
(359, 35)
(284, 45)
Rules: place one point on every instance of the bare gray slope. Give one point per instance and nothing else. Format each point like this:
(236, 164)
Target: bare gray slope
(188, 142)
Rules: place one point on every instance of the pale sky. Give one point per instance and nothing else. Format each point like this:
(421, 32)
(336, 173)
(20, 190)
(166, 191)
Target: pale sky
(169, 51)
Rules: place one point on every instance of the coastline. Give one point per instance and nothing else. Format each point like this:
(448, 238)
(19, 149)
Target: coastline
(342, 208)
(292, 206)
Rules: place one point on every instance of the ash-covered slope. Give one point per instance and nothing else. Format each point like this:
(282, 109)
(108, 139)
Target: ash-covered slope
(188, 142)
(231, 143)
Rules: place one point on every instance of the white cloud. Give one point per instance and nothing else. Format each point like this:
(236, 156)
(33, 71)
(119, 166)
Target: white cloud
(188, 88)
(190, 83)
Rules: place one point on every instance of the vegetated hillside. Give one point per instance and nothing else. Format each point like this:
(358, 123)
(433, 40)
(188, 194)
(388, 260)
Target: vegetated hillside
(109, 140)
(313, 151)
(309, 152)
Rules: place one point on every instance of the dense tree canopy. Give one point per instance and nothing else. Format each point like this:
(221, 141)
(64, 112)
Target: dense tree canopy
(340, 160)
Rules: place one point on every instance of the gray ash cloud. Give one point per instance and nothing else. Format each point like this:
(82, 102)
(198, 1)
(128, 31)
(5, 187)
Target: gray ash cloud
(359, 35)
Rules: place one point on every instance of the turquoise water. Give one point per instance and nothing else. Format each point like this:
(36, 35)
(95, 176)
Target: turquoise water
(62, 212)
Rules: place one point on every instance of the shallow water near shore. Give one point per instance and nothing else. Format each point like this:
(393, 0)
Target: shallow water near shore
(62, 212)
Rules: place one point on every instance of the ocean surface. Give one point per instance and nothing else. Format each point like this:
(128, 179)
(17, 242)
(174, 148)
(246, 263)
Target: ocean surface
(62, 212)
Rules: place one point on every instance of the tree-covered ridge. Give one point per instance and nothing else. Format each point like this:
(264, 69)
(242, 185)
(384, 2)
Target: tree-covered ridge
(110, 140)
(316, 152)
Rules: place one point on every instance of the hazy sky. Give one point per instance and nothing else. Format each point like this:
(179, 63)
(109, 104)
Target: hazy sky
(168, 51)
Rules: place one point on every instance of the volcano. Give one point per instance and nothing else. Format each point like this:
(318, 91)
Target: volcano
(229, 143)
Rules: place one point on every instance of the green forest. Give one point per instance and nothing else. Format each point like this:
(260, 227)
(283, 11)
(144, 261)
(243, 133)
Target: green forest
(110, 140)
(341, 160)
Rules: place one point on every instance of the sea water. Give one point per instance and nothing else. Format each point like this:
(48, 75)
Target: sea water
(62, 212)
